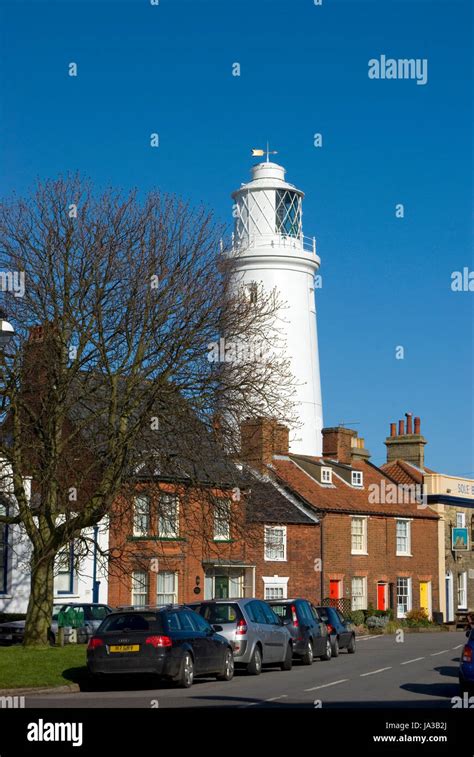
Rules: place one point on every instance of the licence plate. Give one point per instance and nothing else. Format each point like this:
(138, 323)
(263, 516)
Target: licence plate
(125, 648)
(7, 636)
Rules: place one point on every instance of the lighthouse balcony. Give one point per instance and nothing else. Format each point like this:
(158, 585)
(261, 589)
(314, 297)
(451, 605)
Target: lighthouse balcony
(276, 241)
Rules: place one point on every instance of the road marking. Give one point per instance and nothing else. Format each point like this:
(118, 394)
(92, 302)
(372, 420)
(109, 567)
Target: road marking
(415, 659)
(364, 638)
(325, 685)
(373, 672)
(273, 699)
(262, 701)
(458, 646)
(443, 651)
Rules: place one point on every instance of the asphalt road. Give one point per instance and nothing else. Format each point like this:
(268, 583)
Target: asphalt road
(421, 671)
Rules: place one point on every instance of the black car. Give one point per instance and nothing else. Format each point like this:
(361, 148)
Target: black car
(309, 632)
(170, 642)
(341, 630)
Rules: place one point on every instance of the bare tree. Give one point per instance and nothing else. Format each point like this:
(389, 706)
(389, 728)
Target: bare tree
(117, 359)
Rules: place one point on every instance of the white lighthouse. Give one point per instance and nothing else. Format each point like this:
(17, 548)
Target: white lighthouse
(269, 249)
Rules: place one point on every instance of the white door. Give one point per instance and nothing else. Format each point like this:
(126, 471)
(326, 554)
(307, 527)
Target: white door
(449, 597)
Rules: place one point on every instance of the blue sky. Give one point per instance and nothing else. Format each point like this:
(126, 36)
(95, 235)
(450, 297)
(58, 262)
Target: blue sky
(168, 69)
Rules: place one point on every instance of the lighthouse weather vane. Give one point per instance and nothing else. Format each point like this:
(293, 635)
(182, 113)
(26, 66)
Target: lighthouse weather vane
(257, 153)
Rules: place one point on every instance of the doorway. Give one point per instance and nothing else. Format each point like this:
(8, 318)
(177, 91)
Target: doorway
(382, 595)
(425, 597)
(449, 597)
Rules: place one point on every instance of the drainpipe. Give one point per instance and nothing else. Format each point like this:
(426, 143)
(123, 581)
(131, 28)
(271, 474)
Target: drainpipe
(321, 522)
(95, 582)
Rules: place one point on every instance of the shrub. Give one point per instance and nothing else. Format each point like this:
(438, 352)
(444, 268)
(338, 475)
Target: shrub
(357, 617)
(374, 622)
(416, 618)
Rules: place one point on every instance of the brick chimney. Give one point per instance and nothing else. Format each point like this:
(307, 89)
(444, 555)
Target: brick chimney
(260, 439)
(343, 444)
(408, 444)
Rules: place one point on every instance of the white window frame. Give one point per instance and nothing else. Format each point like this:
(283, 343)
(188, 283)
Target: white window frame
(67, 552)
(359, 600)
(363, 550)
(326, 472)
(357, 478)
(408, 596)
(460, 520)
(173, 594)
(222, 519)
(275, 585)
(407, 552)
(167, 533)
(268, 546)
(144, 586)
(141, 514)
(462, 590)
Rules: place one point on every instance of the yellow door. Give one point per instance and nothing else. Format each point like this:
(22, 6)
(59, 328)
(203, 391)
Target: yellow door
(424, 596)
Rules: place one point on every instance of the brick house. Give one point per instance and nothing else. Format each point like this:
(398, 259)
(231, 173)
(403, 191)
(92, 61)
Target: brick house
(373, 551)
(187, 542)
(452, 498)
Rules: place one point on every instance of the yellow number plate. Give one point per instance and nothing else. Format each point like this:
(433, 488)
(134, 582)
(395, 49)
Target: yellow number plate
(126, 648)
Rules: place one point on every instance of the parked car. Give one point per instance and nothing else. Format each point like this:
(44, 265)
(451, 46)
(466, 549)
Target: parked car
(309, 632)
(466, 665)
(170, 642)
(13, 632)
(257, 635)
(340, 630)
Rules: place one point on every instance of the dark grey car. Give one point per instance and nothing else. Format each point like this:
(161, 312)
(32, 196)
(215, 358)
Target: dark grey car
(309, 631)
(257, 634)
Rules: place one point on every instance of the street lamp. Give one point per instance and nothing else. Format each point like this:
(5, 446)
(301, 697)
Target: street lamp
(6, 330)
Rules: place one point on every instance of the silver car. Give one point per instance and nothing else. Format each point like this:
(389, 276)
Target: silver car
(257, 634)
(13, 632)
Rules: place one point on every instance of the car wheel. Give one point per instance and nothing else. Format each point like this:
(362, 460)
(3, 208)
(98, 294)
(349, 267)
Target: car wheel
(328, 654)
(185, 677)
(228, 670)
(352, 646)
(254, 668)
(307, 658)
(287, 663)
(335, 648)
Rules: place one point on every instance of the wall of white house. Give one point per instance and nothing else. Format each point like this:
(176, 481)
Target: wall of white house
(15, 600)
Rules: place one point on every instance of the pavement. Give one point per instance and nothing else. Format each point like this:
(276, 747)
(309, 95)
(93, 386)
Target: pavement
(419, 671)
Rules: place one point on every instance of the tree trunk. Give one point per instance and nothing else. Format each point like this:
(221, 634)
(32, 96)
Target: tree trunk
(40, 604)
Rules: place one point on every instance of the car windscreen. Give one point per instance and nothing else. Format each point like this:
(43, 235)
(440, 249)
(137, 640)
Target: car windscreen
(220, 614)
(324, 613)
(132, 621)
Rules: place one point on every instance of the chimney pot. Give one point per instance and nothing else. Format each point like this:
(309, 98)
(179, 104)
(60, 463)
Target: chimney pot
(401, 428)
(393, 429)
(417, 426)
(409, 423)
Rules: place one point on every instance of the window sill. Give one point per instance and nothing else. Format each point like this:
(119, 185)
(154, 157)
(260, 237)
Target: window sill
(359, 553)
(223, 541)
(156, 538)
(275, 559)
(403, 554)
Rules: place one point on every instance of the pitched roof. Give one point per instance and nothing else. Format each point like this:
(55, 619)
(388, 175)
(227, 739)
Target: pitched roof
(341, 496)
(404, 472)
(268, 502)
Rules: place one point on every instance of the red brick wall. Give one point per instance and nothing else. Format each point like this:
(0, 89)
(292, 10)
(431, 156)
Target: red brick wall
(381, 563)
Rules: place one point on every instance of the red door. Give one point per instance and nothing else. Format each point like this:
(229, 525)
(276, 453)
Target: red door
(381, 599)
(334, 586)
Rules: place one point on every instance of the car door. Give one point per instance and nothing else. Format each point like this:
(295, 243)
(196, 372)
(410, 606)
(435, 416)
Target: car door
(260, 628)
(185, 635)
(277, 634)
(320, 631)
(205, 643)
(345, 632)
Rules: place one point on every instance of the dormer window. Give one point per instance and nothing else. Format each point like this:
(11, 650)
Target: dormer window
(357, 478)
(326, 475)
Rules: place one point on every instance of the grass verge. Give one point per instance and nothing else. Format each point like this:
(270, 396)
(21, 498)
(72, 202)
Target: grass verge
(22, 667)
